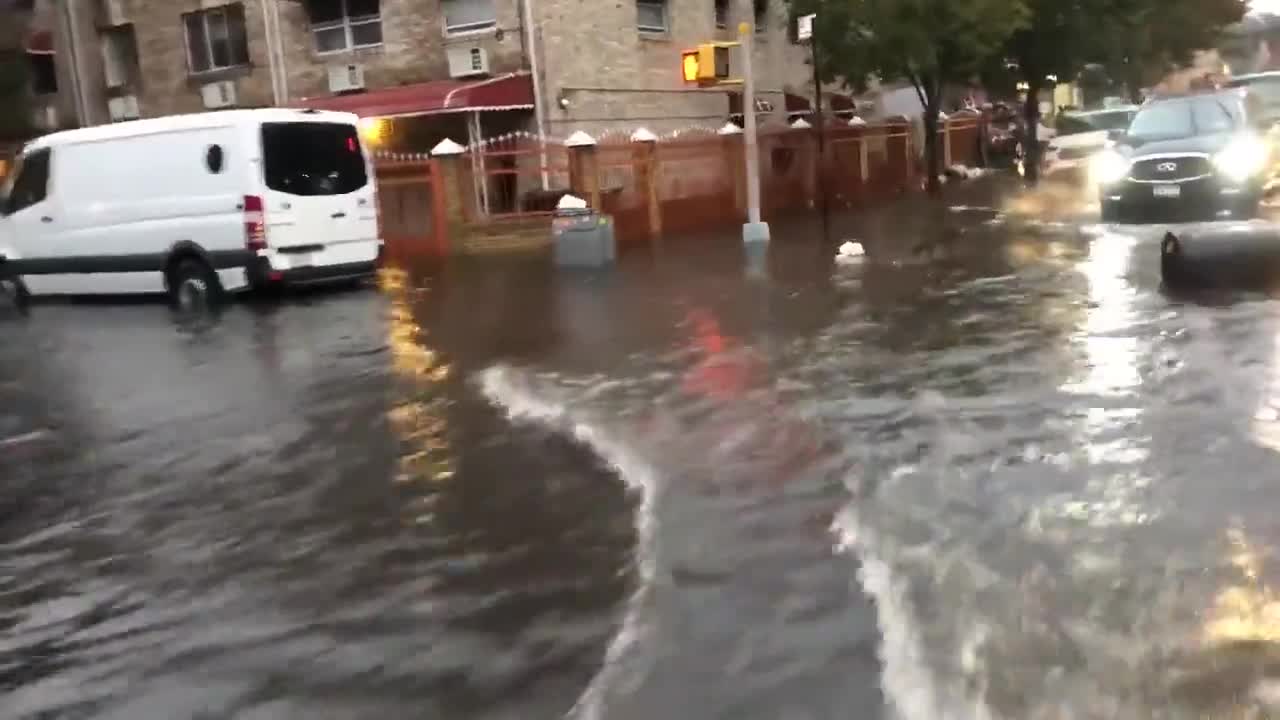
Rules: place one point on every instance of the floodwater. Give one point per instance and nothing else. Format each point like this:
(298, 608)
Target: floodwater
(1021, 482)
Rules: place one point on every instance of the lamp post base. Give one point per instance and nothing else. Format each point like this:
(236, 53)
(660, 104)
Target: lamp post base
(755, 232)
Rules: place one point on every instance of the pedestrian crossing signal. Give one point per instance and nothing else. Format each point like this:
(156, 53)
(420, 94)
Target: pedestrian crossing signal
(706, 64)
(689, 63)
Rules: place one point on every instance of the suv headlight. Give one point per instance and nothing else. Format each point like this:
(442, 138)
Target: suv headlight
(1242, 159)
(1109, 167)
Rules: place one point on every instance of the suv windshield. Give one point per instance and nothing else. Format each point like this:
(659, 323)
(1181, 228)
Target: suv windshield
(1182, 118)
(312, 158)
(1071, 124)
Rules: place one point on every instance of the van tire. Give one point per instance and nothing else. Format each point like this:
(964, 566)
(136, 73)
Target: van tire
(192, 284)
(15, 292)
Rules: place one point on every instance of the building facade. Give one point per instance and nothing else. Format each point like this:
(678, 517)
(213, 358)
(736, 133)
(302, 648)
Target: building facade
(596, 65)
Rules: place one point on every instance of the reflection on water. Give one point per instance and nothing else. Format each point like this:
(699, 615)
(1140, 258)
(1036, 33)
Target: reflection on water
(1111, 362)
(1109, 427)
(418, 417)
(1266, 418)
(1248, 611)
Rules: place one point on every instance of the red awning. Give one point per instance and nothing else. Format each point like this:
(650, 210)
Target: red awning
(39, 42)
(508, 92)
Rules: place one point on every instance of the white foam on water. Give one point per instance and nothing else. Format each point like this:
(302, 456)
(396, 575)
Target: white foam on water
(913, 689)
(513, 391)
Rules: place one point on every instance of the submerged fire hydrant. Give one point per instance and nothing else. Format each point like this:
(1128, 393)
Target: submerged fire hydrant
(1243, 256)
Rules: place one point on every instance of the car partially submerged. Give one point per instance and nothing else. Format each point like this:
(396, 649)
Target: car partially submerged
(1081, 135)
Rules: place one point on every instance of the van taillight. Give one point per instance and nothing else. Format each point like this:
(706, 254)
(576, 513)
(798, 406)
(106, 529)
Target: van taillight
(255, 223)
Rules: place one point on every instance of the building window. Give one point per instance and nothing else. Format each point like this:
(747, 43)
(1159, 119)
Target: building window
(345, 24)
(462, 16)
(44, 74)
(722, 13)
(651, 16)
(216, 38)
(119, 55)
(761, 8)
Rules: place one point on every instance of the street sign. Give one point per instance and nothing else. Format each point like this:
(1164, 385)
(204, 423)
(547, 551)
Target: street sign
(804, 27)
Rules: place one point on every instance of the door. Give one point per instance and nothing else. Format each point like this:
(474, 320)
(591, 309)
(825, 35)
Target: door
(320, 205)
(32, 226)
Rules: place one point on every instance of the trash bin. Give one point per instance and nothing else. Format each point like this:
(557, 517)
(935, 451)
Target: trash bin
(583, 238)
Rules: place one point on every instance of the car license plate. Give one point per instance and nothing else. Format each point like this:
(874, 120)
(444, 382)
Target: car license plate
(1167, 191)
(302, 260)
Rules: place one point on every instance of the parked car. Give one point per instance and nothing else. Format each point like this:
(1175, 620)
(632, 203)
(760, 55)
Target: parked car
(1266, 88)
(1081, 135)
(191, 205)
(1186, 158)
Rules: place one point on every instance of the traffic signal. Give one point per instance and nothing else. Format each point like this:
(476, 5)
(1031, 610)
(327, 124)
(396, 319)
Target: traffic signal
(706, 64)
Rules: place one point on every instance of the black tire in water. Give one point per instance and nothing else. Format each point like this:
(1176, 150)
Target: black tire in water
(193, 285)
(13, 293)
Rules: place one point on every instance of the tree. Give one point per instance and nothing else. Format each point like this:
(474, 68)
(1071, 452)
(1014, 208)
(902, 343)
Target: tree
(930, 43)
(1148, 38)
(1058, 39)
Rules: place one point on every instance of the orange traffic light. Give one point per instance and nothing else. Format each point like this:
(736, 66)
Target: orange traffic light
(706, 64)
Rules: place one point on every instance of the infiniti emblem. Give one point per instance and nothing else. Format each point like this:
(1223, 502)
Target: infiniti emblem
(1167, 167)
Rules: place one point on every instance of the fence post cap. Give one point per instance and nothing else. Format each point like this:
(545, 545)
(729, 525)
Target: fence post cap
(729, 129)
(580, 139)
(643, 135)
(800, 124)
(856, 121)
(447, 148)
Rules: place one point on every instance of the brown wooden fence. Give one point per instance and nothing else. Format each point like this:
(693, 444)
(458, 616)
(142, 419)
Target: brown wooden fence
(690, 183)
(411, 213)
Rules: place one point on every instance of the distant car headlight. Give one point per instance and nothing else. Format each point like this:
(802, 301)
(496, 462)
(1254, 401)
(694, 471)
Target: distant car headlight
(1109, 167)
(1242, 159)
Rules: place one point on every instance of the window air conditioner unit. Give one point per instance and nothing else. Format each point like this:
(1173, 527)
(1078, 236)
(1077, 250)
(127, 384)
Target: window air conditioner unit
(218, 94)
(124, 108)
(468, 61)
(345, 78)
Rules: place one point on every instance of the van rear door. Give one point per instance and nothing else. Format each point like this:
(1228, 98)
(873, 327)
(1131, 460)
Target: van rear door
(320, 204)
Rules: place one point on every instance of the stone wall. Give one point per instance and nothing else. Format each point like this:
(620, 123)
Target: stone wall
(615, 77)
(413, 50)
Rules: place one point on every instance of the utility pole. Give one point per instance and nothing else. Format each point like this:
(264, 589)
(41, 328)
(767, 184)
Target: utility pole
(755, 230)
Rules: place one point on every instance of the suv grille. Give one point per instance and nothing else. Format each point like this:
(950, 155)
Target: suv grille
(1171, 168)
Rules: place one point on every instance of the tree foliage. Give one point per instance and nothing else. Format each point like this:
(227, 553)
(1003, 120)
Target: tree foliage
(1145, 39)
(933, 43)
(930, 43)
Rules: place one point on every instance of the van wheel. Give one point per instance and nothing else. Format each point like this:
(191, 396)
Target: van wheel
(14, 292)
(193, 285)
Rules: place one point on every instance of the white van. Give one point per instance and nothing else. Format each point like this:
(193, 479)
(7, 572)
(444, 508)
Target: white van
(191, 205)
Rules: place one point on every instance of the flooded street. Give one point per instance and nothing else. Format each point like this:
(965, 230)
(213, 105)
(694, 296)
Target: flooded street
(1017, 482)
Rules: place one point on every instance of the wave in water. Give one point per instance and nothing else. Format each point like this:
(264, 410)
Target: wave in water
(514, 392)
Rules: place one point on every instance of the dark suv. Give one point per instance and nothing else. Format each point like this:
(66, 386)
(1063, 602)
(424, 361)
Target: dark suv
(1186, 158)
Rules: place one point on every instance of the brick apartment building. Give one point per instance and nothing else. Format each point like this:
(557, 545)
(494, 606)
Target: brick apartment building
(440, 67)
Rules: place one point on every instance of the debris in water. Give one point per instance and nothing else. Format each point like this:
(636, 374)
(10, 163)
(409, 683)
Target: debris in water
(850, 252)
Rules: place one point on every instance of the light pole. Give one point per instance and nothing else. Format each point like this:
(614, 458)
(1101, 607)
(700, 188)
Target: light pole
(755, 230)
